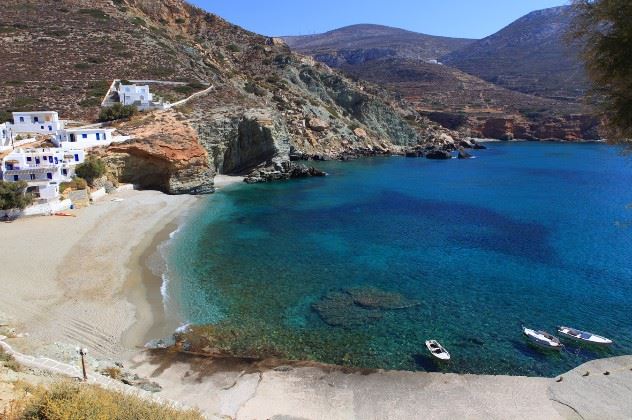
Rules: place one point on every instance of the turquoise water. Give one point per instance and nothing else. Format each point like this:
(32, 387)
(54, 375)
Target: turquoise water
(527, 233)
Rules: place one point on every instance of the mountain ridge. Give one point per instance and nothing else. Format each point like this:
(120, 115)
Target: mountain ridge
(385, 41)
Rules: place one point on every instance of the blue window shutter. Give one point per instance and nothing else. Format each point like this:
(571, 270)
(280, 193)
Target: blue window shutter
(76, 158)
(16, 177)
(84, 136)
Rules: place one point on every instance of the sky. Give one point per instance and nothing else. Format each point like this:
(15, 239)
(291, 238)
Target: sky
(453, 18)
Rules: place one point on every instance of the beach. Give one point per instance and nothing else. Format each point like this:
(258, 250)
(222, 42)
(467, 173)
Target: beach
(84, 280)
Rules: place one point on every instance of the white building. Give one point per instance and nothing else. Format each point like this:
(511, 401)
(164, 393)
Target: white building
(38, 122)
(43, 169)
(84, 138)
(135, 95)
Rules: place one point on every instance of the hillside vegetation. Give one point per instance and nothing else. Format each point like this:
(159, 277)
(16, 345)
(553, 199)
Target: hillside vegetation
(66, 400)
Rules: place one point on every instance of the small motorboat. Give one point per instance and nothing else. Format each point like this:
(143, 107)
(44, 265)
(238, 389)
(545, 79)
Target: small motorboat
(583, 336)
(437, 350)
(543, 339)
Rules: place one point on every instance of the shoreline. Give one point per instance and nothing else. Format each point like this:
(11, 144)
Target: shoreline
(91, 284)
(144, 286)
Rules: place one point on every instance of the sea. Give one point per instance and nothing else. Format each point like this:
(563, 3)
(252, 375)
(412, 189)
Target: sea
(361, 267)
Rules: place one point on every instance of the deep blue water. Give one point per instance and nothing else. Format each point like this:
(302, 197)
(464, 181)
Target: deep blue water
(527, 233)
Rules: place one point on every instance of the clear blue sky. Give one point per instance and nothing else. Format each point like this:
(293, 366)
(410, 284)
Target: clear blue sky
(455, 18)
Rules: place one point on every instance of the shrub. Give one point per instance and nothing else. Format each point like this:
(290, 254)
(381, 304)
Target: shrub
(91, 169)
(66, 400)
(180, 21)
(252, 87)
(95, 13)
(8, 361)
(13, 196)
(117, 111)
(5, 116)
(23, 102)
(76, 184)
(233, 48)
(139, 21)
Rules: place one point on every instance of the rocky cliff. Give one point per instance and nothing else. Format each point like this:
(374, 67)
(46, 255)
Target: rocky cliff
(266, 101)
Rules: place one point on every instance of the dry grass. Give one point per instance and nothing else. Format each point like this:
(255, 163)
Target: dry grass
(8, 361)
(67, 400)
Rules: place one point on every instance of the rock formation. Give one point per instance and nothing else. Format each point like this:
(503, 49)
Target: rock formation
(165, 154)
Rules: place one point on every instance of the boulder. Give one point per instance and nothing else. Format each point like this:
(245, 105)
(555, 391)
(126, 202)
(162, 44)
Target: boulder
(318, 125)
(360, 133)
(436, 154)
(464, 155)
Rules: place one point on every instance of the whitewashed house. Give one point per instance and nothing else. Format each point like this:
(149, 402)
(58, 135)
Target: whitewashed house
(37, 122)
(42, 168)
(84, 138)
(135, 95)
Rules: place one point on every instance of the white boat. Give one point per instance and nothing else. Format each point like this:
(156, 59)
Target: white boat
(583, 336)
(437, 350)
(543, 339)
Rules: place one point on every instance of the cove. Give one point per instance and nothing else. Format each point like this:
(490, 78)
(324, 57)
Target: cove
(361, 267)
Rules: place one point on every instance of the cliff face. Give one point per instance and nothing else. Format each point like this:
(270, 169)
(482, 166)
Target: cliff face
(569, 128)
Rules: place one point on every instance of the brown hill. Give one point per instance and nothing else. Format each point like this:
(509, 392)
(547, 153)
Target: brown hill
(361, 43)
(530, 55)
(266, 100)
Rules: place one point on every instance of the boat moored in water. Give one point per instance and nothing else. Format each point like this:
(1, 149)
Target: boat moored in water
(437, 350)
(583, 336)
(543, 339)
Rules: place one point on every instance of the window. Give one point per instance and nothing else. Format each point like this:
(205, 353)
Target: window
(84, 136)
(35, 119)
(64, 172)
(41, 127)
(49, 175)
(50, 159)
(32, 177)
(98, 136)
(76, 158)
(21, 119)
(16, 177)
(50, 128)
(28, 158)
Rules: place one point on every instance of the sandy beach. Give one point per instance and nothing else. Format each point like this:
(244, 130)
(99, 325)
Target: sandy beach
(83, 280)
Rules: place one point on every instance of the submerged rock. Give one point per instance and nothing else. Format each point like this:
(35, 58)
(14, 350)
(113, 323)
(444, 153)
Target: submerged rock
(359, 306)
(374, 298)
